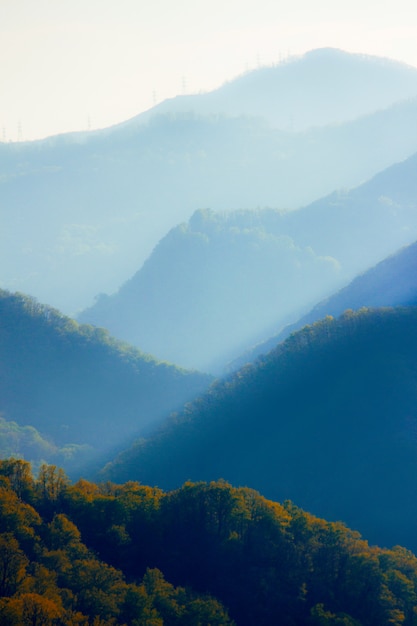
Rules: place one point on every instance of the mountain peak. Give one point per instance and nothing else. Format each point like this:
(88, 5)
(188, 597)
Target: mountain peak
(323, 86)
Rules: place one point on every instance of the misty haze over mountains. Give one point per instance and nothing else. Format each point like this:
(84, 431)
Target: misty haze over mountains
(81, 213)
(225, 280)
(323, 87)
(266, 234)
(392, 282)
(215, 227)
(79, 390)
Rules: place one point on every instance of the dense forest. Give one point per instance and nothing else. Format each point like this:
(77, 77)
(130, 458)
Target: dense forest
(280, 211)
(205, 554)
(70, 390)
(326, 419)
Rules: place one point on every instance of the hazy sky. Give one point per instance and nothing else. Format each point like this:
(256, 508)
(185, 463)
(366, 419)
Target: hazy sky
(73, 64)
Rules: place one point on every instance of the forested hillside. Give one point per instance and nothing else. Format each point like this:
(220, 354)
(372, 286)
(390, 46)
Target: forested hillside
(277, 211)
(231, 279)
(80, 213)
(82, 390)
(222, 278)
(327, 419)
(204, 554)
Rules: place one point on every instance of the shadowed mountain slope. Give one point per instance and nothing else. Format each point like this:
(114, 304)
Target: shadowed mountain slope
(77, 385)
(327, 419)
(225, 281)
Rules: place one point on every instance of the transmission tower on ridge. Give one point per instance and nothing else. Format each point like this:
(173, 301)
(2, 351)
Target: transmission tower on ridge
(184, 85)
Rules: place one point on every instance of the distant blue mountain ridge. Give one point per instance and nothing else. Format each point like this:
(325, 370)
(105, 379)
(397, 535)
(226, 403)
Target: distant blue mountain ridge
(227, 280)
(80, 213)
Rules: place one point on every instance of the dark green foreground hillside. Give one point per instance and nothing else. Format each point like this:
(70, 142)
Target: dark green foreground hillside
(202, 555)
(77, 385)
(328, 419)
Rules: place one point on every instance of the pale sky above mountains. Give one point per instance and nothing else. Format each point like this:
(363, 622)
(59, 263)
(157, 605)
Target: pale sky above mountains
(76, 64)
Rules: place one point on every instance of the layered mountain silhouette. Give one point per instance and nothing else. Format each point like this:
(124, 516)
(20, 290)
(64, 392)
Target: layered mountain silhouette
(323, 417)
(327, 419)
(80, 213)
(392, 282)
(76, 385)
(224, 281)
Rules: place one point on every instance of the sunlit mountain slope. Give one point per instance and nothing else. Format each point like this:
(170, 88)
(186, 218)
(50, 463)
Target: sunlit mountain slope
(77, 385)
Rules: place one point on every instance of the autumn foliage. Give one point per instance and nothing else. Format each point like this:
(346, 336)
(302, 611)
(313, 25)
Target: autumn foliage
(102, 555)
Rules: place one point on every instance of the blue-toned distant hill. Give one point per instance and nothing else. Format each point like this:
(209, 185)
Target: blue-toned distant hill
(65, 387)
(327, 419)
(324, 86)
(225, 281)
(392, 282)
(80, 213)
